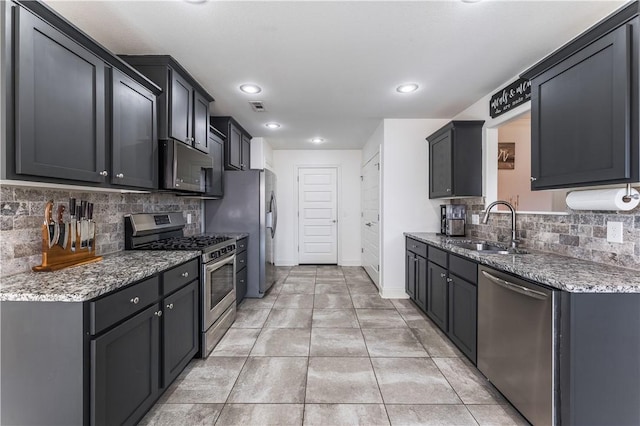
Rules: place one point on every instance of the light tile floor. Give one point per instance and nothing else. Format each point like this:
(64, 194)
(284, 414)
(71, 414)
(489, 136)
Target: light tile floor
(323, 348)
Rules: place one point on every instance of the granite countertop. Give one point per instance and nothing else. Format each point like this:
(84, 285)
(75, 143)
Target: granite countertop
(85, 282)
(561, 272)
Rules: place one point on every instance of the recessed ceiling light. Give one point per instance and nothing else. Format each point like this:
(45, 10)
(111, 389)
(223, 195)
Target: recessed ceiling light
(471, 1)
(272, 125)
(251, 89)
(317, 140)
(407, 88)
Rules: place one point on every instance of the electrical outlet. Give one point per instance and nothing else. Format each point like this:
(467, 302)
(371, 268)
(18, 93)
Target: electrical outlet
(475, 219)
(614, 232)
(189, 218)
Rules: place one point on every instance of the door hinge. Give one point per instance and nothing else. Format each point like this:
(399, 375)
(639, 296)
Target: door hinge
(361, 250)
(378, 165)
(361, 214)
(378, 218)
(362, 178)
(298, 178)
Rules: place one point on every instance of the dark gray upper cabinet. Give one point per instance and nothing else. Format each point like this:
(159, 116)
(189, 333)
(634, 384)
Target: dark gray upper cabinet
(183, 107)
(180, 108)
(201, 123)
(584, 121)
(134, 143)
(215, 181)
(455, 160)
(61, 88)
(237, 144)
(60, 104)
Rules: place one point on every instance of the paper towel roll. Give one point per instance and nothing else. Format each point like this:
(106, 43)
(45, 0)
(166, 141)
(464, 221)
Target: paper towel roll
(602, 199)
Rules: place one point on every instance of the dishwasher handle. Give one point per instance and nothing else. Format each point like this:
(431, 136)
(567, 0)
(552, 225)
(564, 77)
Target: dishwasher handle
(516, 287)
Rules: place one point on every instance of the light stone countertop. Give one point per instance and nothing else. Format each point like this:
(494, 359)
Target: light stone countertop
(86, 282)
(561, 272)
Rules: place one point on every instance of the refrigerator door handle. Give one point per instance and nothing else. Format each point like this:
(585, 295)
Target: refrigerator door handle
(274, 211)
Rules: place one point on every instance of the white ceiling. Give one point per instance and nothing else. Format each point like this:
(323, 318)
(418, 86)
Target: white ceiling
(330, 68)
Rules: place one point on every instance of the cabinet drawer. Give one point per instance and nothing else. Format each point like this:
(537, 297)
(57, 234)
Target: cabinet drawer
(241, 285)
(417, 247)
(241, 245)
(117, 306)
(241, 261)
(463, 268)
(175, 278)
(438, 256)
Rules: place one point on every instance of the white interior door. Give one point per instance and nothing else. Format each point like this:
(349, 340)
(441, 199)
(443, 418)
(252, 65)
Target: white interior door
(371, 218)
(317, 215)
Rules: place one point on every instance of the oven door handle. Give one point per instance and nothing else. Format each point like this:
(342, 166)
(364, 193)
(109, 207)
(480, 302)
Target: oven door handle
(221, 263)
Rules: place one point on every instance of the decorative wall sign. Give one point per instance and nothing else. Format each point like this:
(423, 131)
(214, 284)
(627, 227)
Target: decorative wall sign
(506, 155)
(510, 97)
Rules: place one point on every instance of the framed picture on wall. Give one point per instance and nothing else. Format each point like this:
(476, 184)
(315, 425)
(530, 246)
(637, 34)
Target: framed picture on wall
(506, 155)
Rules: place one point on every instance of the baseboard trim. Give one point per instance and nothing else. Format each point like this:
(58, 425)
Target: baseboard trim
(286, 263)
(350, 263)
(394, 293)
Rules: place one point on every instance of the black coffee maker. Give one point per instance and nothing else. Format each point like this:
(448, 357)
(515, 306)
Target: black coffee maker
(453, 219)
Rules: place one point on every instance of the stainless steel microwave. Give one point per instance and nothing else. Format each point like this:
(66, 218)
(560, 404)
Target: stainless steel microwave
(183, 168)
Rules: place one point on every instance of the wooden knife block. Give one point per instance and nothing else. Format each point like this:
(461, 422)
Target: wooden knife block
(56, 258)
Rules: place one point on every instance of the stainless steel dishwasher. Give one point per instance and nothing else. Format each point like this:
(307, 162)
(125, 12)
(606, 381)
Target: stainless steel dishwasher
(516, 344)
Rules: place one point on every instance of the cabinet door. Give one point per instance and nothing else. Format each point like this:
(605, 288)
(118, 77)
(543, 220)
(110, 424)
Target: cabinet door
(180, 338)
(581, 115)
(437, 295)
(234, 148)
(135, 146)
(216, 181)
(125, 366)
(60, 104)
(180, 109)
(246, 152)
(421, 282)
(410, 275)
(241, 285)
(463, 315)
(200, 122)
(440, 166)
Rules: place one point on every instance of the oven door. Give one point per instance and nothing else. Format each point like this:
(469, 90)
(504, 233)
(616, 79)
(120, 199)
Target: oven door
(219, 289)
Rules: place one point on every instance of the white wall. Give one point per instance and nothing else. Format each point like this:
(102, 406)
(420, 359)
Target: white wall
(405, 204)
(285, 163)
(374, 143)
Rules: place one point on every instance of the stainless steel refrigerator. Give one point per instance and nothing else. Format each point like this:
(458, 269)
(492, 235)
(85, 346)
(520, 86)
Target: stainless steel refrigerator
(249, 206)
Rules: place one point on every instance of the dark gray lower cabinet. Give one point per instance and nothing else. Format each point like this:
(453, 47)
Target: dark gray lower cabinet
(437, 293)
(180, 336)
(463, 315)
(103, 361)
(444, 286)
(124, 370)
(241, 269)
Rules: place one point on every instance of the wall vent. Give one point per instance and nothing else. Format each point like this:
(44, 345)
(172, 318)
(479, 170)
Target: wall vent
(257, 106)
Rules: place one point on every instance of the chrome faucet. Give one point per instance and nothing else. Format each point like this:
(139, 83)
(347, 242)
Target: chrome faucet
(485, 219)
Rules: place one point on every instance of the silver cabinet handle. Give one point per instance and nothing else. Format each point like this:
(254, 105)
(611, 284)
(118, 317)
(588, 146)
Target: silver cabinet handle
(241, 260)
(170, 306)
(104, 173)
(533, 179)
(515, 287)
(448, 189)
(120, 175)
(442, 275)
(135, 300)
(449, 280)
(185, 274)
(158, 313)
(197, 143)
(242, 281)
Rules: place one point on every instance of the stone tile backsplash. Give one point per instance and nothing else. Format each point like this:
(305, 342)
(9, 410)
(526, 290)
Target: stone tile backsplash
(22, 216)
(581, 234)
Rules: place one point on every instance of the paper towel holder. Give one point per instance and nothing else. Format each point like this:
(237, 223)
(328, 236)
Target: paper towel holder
(629, 196)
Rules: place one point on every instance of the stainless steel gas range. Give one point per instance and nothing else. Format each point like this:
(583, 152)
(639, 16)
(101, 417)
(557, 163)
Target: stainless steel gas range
(165, 231)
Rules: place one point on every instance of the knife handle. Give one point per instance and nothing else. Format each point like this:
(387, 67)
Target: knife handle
(61, 209)
(78, 212)
(90, 211)
(72, 206)
(47, 212)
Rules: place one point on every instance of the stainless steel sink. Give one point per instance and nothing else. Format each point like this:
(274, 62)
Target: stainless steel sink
(484, 247)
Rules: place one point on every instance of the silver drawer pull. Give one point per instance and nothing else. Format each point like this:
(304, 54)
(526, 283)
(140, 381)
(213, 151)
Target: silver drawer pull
(185, 274)
(120, 175)
(242, 281)
(442, 275)
(135, 300)
(449, 280)
(241, 260)
(158, 313)
(170, 306)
